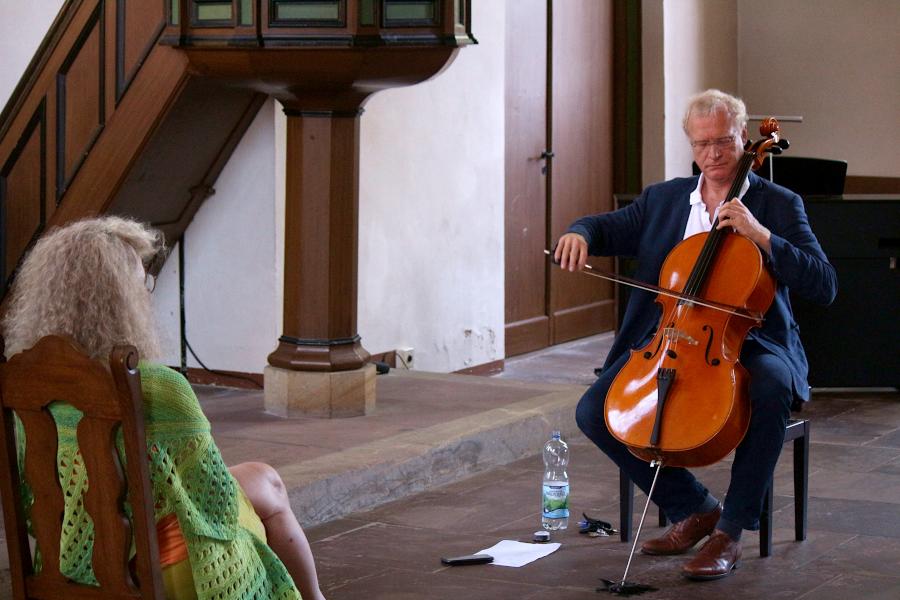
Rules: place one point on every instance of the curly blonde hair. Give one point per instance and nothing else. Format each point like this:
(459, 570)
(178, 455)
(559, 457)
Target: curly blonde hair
(82, 280)
(710, 101)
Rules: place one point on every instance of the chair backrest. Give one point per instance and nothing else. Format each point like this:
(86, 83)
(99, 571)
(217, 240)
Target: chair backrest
(56, 370)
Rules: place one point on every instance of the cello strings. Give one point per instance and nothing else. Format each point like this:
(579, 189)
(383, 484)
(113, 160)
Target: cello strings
(710, 248)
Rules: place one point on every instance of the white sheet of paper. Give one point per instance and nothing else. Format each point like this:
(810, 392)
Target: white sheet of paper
(508, 553)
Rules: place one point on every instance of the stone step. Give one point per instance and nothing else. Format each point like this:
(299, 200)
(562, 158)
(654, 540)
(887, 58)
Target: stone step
(362, 476)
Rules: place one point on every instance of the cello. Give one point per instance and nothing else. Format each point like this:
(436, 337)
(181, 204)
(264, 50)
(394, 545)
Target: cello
(682, 400)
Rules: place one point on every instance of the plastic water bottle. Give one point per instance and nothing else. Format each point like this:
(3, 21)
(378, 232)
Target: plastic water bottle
(555, 500)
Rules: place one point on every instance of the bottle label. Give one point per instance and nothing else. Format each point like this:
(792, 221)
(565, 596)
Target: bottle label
(556, 501)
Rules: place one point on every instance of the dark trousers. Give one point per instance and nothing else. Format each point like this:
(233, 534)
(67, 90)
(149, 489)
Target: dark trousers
(677, 491)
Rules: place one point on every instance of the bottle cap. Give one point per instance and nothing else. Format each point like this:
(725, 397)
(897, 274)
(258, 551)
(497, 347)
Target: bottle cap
(541, 536)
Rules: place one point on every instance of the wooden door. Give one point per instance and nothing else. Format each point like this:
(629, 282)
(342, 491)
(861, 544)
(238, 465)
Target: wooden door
(571, 105)
(582, 134)
(527, 273)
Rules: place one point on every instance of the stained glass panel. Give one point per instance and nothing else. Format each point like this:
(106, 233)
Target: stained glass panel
(409, 12)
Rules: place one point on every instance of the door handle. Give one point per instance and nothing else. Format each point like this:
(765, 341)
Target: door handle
(546, 155)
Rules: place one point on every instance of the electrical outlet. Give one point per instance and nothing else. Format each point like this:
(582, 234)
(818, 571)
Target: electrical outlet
(404, 358)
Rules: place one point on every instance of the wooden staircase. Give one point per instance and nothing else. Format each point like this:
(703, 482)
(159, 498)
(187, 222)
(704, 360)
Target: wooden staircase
(105, 119)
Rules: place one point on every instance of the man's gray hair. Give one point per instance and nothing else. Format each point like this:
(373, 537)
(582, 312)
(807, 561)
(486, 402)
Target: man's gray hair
(712, 101)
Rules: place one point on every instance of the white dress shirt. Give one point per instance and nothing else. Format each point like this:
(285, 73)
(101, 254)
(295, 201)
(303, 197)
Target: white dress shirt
(699, 220)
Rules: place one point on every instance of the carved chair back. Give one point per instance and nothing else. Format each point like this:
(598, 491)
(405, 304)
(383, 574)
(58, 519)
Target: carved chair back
(109, 398)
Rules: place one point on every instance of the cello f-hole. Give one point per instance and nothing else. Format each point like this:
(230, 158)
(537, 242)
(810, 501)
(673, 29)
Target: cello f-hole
(715, 361)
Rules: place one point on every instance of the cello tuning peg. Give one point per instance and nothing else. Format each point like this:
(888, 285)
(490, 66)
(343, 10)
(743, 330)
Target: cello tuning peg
(783, 144)
(774, 150)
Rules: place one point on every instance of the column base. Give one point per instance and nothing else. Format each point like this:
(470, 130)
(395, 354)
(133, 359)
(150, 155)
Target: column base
(330, 394)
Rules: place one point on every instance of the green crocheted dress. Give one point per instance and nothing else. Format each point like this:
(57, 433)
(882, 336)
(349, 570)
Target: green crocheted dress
(188, 478)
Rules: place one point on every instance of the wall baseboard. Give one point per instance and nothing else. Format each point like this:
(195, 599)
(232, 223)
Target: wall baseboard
(254, 381)
(234, 379)
(485, 369)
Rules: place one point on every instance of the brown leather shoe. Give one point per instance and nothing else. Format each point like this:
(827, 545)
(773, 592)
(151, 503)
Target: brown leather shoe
(684, 535)
(717, 558)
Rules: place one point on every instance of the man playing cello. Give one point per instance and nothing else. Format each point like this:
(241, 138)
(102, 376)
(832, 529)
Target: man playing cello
(664, 214)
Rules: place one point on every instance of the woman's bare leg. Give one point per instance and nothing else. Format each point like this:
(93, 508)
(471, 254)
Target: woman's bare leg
(266, 492)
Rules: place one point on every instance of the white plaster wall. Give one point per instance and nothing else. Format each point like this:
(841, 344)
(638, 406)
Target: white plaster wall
(431, 209)
(232, 282)
(836, 63)
(653, 93)
(166, 310)
(700, 49)
(22, 28)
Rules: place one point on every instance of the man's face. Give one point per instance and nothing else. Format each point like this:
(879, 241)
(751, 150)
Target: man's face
(717, 146)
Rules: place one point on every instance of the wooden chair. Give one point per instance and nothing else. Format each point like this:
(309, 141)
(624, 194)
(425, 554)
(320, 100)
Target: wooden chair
(797, 430)
(56, 370)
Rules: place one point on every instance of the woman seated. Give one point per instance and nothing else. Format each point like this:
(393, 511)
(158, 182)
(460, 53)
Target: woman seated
(223, 533)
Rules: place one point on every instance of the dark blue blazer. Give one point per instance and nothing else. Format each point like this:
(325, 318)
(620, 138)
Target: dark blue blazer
(654, 223)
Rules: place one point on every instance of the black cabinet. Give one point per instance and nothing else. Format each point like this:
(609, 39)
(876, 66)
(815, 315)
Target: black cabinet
(855, 342)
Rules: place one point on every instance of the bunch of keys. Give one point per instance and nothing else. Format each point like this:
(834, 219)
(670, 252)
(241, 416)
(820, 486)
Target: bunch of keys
(595, 527)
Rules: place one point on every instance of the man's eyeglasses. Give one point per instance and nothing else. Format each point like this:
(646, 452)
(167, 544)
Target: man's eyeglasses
(720, 143)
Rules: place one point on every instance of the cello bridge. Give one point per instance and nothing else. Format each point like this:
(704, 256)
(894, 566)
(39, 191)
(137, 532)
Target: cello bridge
(675, 335)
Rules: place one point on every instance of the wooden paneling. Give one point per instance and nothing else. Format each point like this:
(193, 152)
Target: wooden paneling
(861, 184)
(75, 75)
(81, 106)
(527, 323)
(527, 335)
(585, 319)
(22, 100)
(138, 114)
(321, 231)
(138, 25)
(582, 134)
(545, 305)
(22, 195)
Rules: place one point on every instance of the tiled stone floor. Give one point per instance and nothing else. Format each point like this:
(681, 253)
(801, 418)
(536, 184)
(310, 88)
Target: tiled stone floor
(852, 550)
(393, 552)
